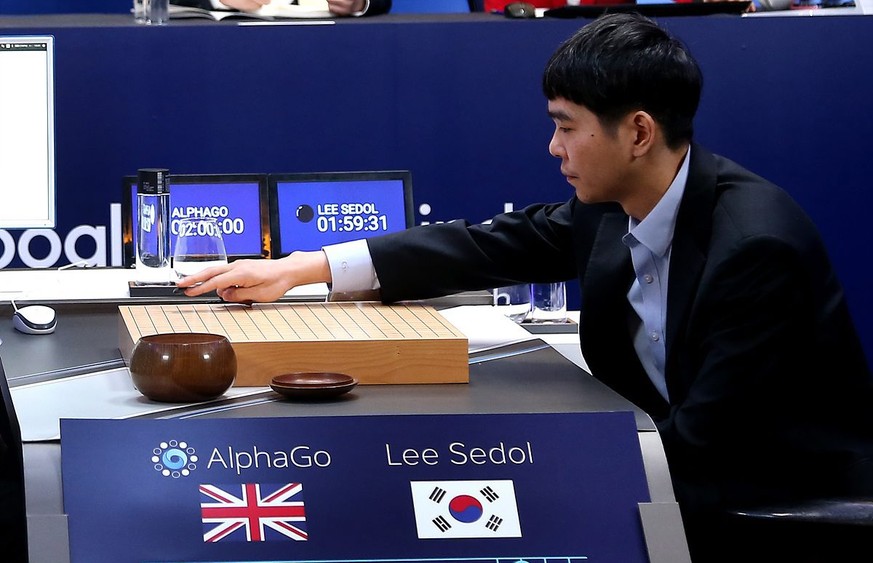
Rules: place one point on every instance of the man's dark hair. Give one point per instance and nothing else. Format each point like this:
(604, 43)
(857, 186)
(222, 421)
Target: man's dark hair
(624, 62)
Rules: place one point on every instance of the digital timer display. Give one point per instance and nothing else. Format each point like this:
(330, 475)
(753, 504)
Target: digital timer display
(315, 213)
(352, 223)
(238, 206)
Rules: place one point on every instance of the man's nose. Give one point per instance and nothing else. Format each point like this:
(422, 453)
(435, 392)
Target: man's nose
(555, 148)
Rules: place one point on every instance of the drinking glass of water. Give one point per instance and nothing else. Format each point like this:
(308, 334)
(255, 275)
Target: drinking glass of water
(513, 301)
(548, 303)
(199, 245)
(152, 12)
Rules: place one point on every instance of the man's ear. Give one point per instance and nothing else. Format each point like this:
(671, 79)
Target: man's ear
(644, 130)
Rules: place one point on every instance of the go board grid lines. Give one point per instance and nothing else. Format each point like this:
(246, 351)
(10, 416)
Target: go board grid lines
(372, 342)
(294, 322)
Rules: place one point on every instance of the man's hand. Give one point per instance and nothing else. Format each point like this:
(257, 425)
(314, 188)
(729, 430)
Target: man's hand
(345, 7)
(246, 281)
(245, 5)
(338, 7)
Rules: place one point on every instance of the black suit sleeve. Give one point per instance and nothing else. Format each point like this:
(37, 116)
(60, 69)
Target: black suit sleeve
(531, 245)
(378, 7)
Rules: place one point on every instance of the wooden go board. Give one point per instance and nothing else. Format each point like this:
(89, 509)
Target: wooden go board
(372, 342)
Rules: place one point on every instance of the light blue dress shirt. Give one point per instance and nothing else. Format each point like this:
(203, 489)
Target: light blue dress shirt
(650, 242)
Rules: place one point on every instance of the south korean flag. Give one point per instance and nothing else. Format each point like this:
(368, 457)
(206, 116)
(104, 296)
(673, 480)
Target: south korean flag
(465, 509)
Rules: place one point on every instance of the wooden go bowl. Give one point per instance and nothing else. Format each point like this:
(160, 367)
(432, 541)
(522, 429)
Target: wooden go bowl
(183, 367)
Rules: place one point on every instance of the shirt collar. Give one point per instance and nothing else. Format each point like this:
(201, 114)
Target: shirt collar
(655, 232)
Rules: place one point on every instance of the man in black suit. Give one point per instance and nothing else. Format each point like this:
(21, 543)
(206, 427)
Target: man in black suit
(707, 296)
(338, 7)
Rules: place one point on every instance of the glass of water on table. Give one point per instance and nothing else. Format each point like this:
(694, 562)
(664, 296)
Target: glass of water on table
(199, 245)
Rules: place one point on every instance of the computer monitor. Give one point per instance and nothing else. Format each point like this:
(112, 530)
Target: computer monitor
(27, 140)
(311, 210)
(237, 201)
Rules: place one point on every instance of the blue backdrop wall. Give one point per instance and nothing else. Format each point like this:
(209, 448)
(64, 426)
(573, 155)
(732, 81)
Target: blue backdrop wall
(65, 6)
(455, 99)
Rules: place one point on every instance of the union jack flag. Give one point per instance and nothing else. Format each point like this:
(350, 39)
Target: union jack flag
(264, 512)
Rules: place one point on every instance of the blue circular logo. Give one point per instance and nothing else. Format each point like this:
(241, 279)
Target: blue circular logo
(174, 459)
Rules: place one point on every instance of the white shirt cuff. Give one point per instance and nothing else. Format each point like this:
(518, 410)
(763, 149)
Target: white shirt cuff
(351, 267)
(364, 10)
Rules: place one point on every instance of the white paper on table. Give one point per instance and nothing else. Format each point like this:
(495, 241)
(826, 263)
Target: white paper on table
(485, 326)
(78, 283)
(98, 284)
(302, 9)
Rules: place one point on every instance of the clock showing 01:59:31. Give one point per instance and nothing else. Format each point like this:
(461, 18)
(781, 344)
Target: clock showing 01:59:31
(309, 211)
(345, 218)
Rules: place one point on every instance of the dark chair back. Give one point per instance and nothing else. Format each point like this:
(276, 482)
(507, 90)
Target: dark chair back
(13, 509)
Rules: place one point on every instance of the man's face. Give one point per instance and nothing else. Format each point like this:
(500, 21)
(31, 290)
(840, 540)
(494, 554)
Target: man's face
(594, 160)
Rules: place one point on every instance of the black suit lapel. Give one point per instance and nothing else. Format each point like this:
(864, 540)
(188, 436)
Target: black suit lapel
(610, 271)
(604, 330)
(688, 256)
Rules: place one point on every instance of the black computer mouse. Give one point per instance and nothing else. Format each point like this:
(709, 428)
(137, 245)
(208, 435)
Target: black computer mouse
(519, 10)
